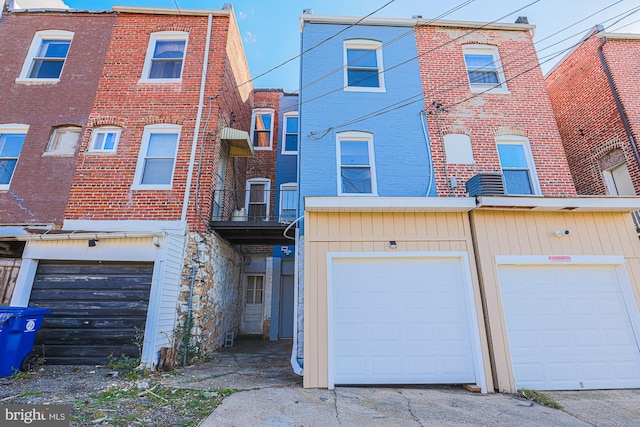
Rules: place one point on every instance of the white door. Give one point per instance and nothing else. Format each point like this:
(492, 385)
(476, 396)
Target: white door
(569, 327)
(401, 320)
(252, 312)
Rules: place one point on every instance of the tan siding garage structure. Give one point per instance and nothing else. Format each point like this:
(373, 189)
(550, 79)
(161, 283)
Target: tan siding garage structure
(379, 314)
(561, 282)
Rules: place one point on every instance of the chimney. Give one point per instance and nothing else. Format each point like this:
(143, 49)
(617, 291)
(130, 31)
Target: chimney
(522, 20)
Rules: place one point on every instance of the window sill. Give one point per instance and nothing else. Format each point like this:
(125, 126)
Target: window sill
(101, 153)
(160, 80)
(23, 81)
(262, 148)
(289, 153)
(364, 89)
(53, 154)
(142, 187)
(358, 194)
(492, 90)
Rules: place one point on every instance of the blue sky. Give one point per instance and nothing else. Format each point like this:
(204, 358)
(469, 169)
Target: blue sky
(271, 29)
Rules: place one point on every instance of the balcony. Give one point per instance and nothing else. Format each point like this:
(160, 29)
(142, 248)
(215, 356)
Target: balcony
(257, 216)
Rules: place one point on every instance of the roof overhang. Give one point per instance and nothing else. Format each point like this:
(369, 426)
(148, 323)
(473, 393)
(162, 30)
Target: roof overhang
(404, 22)
(239, 142)
(169, 11)
(389, 204)
(560, 204)
(619, 36)
(253, 233)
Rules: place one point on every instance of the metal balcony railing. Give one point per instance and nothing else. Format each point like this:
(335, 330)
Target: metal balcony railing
(258, 204)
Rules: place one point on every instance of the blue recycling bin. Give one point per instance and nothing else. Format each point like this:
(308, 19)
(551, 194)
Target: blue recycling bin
(18, 328)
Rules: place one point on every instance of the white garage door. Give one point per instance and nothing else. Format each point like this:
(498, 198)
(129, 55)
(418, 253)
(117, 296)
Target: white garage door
(569, 327)
(401, 321)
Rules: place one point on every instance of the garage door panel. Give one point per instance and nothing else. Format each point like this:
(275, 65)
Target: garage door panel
(98, 309)
(569, 328)
(412, 328)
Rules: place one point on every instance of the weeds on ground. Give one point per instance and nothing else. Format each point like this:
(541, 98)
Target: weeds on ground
(187, 407)
(538, 397)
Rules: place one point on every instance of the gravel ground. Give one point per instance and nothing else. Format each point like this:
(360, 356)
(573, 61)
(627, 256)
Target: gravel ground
(98, 395)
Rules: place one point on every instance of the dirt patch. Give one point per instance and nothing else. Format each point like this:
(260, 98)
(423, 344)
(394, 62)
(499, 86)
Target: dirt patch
(98, 395)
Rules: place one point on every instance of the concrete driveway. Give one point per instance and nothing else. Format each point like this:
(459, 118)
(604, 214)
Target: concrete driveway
(268, 393)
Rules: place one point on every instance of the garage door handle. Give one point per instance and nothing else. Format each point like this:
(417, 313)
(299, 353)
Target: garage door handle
(86, 322)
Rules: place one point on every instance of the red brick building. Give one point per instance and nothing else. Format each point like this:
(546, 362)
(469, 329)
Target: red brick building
(51, 64)
(595, 92)
(168, 123)
(486, 103)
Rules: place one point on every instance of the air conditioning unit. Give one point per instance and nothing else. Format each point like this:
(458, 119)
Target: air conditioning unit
(485, 184)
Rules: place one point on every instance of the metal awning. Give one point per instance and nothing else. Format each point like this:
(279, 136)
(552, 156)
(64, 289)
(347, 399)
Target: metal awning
(239, 142)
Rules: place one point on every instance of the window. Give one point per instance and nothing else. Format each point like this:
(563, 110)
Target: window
(484, 69)
(257, 203)
(261, 128)
(64, 141)
(288, 202)
(11, 142)
(254, 291)
(46, 57)
(363, 69)
(516, 161)
(618, 181)
(355, 160)
(104, 139)
(157, 158)
(290, 137)
(165, 56)
(219, 188)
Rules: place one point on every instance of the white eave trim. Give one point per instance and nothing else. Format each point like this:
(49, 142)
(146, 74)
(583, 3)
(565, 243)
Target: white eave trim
(128, 226)
(404, 22)
(82, 235)
(168, 11)
(561, 204)
(619, 36)
(389, 204)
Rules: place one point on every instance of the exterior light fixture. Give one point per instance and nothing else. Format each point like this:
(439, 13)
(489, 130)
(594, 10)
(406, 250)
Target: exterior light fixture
(393, 244)
(92, 242)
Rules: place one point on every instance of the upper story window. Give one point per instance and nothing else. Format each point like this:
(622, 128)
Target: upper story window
(64, 141)
(165, 56)
(262, 128)
(363, 66)
(290, 134)
(11, 142)
(157, 158)
(104, 139)
(258, 198)
(518, 170)
(356, 164)
(484, 69)
(46, 57)
(288, 202)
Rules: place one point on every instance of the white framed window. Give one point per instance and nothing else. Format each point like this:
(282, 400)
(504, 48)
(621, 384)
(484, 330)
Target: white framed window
(288, 202)
(157, 158)
(165, 57)
(257, 199)
(12, 138)
(104, 139)
(484, 69)
(46, 57)
(518, 169)
(363, 71)
(64, 141)
(262, 128)
(290, 133)
(618, 181)
(356, 169)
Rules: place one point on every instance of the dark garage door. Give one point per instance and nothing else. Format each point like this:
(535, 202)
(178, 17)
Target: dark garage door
(98, 310)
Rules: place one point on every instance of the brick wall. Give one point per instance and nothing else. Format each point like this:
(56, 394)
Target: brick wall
(102, 183)
(524, 111)
(41, 183)
(589, 121)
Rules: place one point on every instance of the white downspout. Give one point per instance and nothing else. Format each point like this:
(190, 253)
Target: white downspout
(196, 132)
(296, 282)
